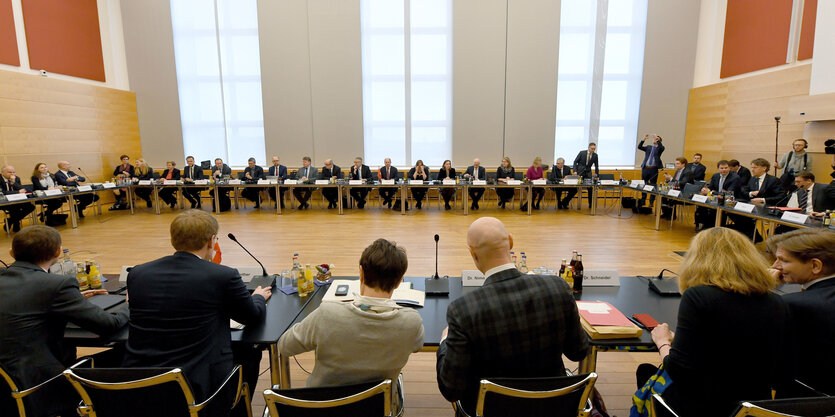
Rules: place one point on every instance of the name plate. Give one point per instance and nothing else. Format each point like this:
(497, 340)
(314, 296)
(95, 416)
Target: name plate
(571, 181)
(700, 198)
(415, 182)
(291, 182)
(479, 182)
(15, 197)
(674, 193)
(354, 182)
(601, 278)
(264, 182)
(234, 182)
(109, 185)
(636, 183)
(169, 182)
(322, 182)
(609, 182)
(201, 182)
(541, 181)
(472, 278)
(85, 188)
(448, 182)
(514, 182)
(648, 188)
(795, 217)
(744, 207)
(387, 182)
(52, 192)
(142, 182)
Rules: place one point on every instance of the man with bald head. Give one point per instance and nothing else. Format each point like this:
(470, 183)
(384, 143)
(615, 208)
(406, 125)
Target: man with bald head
(329, 170)
(65, 177)
(10, 184)
(475, 172)
(514, 326)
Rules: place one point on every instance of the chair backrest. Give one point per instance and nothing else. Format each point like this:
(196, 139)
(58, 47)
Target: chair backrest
(8, 405)
(690, 189)
(371, 399)
(129, 392)
(789, 407)
(660, 408)
(564, 395)
(518, 175)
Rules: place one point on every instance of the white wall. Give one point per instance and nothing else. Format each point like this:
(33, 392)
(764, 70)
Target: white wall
(822, 81)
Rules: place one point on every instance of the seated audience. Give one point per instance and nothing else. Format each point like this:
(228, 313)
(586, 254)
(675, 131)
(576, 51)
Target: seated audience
(678, 180)
(192, 172)
(504, 173)
(387, 172)
(10, 184)
(181, 305)
(168, 194)
(280, 172)
(447, 172)
(35, 307)
(420, 173)
(513, 326)
(66, 178)
(761, 189)
(361, 172)
(475, 172)
(812, 198)
(559, 173)
(744, 173)
(721, 182)
(730, 339)
(331, 170)
(535, 173)
(697, 168)
(123, 171)
(42, 180)
(305, 174)
(252, 173)
(807, 257)
(220, 171)
(144, 172)
(365, 339)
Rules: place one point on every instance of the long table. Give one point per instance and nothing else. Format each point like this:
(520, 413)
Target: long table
(69, 195)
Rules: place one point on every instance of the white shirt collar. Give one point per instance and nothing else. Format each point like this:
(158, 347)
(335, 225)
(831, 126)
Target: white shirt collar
(499, 268)
(810, 283)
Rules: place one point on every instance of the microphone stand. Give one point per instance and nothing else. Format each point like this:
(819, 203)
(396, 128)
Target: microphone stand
(436, 284)
(776, 136)
(264, 280)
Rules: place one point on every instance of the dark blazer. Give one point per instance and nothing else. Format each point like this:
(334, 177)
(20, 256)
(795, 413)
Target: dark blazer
(413, 171)
(148, 175)
(336, 171)
(195, 173)
(256, 172)
(698, 171)
(823, 197)
(174, 175)
(61, 179)
(482, 173)
(390, 174)
(648, 150)
(731, 183)
(813, 334)
(442, 174)
(686, 177)
(364, 171)
(282, 172)
(558, 174)
(580, 164)
(36, 183)
(744, 176)
(514, 326)
(35, 307)
(509, 174)
(225, 170)
(772, 191)
(311, 176)
(180, 310)
(119, 170)
(8, 187)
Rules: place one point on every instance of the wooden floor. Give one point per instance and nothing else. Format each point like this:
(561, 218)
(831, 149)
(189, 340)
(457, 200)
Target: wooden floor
(628, 244)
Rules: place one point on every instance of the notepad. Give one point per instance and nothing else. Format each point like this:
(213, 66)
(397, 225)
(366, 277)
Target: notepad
(599, 313)
(403, 294)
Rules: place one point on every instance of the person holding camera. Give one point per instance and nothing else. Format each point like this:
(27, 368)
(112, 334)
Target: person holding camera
(794, 161)
(652, 162)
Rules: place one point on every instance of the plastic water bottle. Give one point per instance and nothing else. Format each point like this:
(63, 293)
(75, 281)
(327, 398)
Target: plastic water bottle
(523, 267)
(68, 267)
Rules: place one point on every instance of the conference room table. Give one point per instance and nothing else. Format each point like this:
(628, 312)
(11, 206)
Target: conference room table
(70, 195)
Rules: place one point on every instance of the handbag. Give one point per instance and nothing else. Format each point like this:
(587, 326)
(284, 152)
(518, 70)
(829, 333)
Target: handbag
(656, 384)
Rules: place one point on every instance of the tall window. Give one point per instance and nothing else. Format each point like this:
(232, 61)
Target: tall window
(219, 79)
(407, 80)
(601, 59)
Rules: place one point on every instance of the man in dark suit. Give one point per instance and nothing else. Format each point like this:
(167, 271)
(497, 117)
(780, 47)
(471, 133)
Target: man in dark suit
(583, 163)
(475, 172)
(807, 257)
(513, 326)
(724, 181)
(279, 171)
(67, 178)
(10, 184)
(763, 188)
(388, 172)
(35, 307)
(190, 173)
(559, 172)
(813, 198)
(697, 168)
(219, 171)
(329, 170)
(744, 174)
(305, 174)
(181, 305)
(651, 164)
(122, 172)
(252, 173)
(678, 180)
(360, 171)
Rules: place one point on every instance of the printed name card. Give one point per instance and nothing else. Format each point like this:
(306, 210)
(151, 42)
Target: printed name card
(571, 181)
(415, 182)
(472, 278)
(601, 278)
(699, 198)
(674, 193)
(448, 182)
(234, 182)
(267, 182)
(291, 182)
(109, 185)
(608, 182)
(541, 181)
(322, 182)
(85, 188)
(514, 182)
(169, 182)
(52, 192)
(354, 182)
(143, 182)
(795, 217)
(636, 183)
(744, 207)
(648, 188)
(201, 182)
(479, 182)
(387, 182)
(16, 197)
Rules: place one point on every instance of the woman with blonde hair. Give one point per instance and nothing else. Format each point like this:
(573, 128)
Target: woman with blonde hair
(43, 180)
(504, 173)
(730, 333)
(144, 172)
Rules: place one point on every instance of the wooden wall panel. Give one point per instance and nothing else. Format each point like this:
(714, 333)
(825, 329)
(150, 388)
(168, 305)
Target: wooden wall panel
(47, 120)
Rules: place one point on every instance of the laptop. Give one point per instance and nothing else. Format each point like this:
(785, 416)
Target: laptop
(689, 190)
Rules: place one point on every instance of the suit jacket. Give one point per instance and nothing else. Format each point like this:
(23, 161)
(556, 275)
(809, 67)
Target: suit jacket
(336, 171)
(659, 149)
(413, 171)
(195, 173)
(584, 170)
(514, 326)
(390, 174)
(686, 177)
(482, 173)
(35, 307)
(558, 174)
(119, 170)
(772, 191)
(442, 174)
(813, 334)
(823, 197)
(698, 171)
(511, 173)
(731, 183)
(364, 173)
(8, 187)
(180, 310)
(225, 170)
(256, 172)
(36, 183)
(282, 172)
(174, 175)
(311, 176)
(62, 179)
(744, 176)
(148, 175)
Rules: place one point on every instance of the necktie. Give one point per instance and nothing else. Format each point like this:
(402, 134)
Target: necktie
(588, 158)
(651, 162)
(678, 174)
(802, 199)
(721, 183)
(388, 173)
(757, 183)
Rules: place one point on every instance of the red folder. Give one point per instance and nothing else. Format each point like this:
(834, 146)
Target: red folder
(599, 313)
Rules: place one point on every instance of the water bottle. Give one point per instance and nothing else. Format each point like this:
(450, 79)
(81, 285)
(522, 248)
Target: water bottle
(68, 267)
(523, 267)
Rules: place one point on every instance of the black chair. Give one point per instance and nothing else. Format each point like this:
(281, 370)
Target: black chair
(369, 399)
(550, 396)
(519, 175)
(159, 392)
(205, 165)
(790, 407)
(12, 398)
(658, 408)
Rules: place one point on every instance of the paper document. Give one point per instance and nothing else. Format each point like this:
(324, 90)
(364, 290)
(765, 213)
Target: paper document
(599, 313)
(234, 325)
(403, 295)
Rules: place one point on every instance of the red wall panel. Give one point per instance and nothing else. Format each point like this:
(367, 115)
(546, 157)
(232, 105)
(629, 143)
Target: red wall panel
(756, 35)
(8, 40)
(807, 29)
(63, 37)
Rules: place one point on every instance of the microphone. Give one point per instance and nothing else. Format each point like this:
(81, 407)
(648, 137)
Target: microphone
(231, 236)
(262, 281)
(777, 118)
(435, 284)
(82, 172)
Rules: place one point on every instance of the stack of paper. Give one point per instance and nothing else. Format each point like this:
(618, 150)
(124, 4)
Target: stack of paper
(602, 320)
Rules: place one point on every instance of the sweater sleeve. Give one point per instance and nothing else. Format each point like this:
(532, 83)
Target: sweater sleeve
(301, 337)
